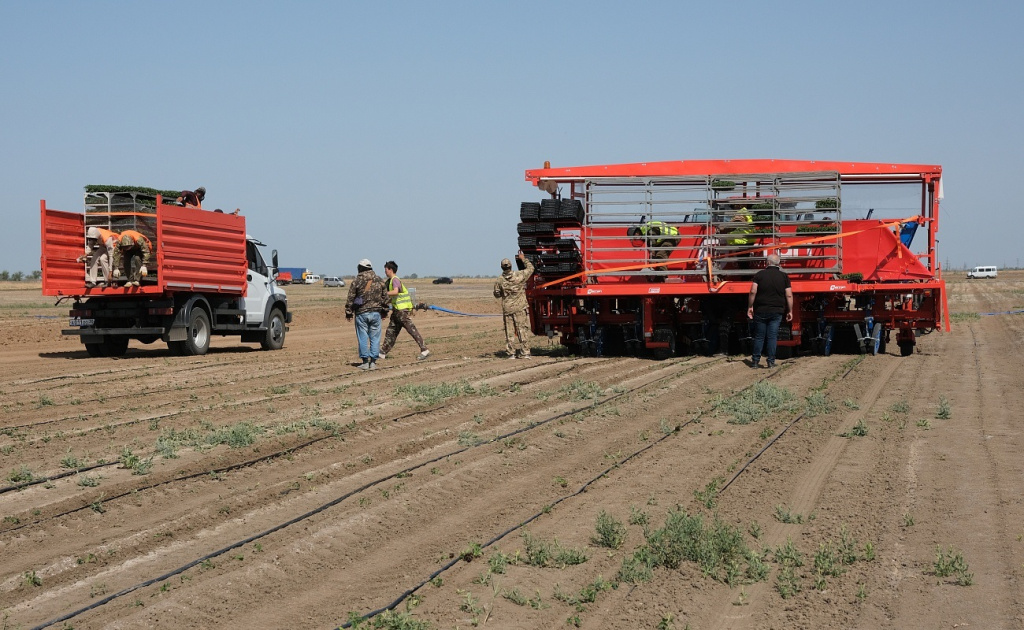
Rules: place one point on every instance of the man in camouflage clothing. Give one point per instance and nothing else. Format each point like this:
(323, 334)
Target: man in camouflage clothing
(511, 290)
(367, 299)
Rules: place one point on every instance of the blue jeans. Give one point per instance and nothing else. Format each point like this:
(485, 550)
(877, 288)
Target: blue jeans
(368, 334)
(766, 325)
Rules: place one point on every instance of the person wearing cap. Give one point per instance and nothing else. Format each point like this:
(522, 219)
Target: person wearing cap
(135, 250)
(192, 199)
(401, 311)
(367, 300)
(100, 246)
(511, 290)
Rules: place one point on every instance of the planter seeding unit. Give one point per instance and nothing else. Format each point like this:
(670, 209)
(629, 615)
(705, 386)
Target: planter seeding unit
(658, 256)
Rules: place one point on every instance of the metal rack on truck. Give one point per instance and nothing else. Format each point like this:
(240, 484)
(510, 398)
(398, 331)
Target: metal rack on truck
(655, 256)
(207, 277)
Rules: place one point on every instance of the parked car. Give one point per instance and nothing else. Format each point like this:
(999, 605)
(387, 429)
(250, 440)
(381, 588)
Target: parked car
(333, 281)
(443, 280)
(311, 278)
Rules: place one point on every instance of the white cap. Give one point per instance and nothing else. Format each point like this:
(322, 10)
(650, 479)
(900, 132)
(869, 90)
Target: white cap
(93, 233)
(365, 263)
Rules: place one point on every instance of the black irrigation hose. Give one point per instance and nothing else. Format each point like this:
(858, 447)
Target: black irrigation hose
(331, 504)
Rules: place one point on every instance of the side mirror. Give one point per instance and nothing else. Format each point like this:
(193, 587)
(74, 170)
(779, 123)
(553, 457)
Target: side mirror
(273, 258)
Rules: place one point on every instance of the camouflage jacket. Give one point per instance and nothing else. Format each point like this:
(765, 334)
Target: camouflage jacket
(368, 292)
(511, 289)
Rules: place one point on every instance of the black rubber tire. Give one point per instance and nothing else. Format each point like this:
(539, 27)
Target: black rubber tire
(115, 346)
(906, 349)
(274, 339)
(96, 349)
(197, 340)
(148, 339)
(664, 334)
(176, 348)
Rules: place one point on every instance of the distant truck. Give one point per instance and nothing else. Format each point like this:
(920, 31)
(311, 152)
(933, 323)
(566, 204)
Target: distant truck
(983, 272)
(283, 277)
(206, 277)
(294, 274)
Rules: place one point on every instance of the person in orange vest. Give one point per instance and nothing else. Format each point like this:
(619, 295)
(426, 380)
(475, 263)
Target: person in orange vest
(135, 250)
(100, 248)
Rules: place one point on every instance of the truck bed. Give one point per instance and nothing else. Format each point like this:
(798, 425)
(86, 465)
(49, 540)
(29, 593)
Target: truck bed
(194, 250)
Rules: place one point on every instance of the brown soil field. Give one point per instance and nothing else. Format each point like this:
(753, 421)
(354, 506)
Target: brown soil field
(288, 489)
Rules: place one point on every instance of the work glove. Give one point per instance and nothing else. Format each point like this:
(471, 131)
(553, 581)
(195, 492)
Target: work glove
(349, 315)
(143, 271)
(116, 274)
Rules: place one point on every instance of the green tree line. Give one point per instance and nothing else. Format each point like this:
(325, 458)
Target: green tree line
(18, 276)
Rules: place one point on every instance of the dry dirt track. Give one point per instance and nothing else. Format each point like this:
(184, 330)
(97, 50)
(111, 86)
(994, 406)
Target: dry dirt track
(288, 489)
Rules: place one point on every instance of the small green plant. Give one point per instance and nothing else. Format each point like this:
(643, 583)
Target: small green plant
(908, 519)
(708, 497)
(637, 516)
(71, 462)
(944, 412)
(31, 579)
(862, 591)
(561, 481)
(45, 401)
(88, 482)
(21, 474)
(766, 433)
(900, 406)
(817, 404)
(754, 530)
(951, 562)
(474, 551)
(515, 597)
(470, 604)
(924, 423)
(784, 514)
(849, 403)
(755, 403)
(858, 430)
(611, 533)
(468, 438)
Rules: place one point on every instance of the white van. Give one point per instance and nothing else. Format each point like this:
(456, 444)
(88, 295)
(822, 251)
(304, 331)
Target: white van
(312, 278)
(333, 281)
(982, 272)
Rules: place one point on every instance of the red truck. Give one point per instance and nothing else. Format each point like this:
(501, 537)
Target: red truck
(206, 277)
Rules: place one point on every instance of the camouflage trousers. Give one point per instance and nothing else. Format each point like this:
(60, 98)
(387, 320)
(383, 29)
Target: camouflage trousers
(517, 333)
(400, 318)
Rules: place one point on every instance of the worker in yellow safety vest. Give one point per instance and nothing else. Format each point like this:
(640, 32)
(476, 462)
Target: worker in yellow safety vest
(401, 313)
(659, 237)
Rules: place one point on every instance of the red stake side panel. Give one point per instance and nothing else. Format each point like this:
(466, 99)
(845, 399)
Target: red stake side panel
(63, 241)
(200, 250)
(698, 168)
(195, 251)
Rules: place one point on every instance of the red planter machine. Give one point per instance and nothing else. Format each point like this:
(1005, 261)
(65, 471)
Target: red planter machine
(858, 241)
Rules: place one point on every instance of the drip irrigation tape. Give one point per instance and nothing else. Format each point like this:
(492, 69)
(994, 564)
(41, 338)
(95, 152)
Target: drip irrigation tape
(33, 482)
(1004, 312)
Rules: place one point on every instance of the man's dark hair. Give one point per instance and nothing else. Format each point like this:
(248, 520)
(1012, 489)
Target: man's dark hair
(392, 265)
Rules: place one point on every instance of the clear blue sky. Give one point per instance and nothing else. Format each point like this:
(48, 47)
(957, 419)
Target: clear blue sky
(401, 130)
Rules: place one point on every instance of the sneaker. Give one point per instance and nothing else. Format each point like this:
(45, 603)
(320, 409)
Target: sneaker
(89, 285)
(525, 355)
(365, 365)
(771, 364)
(381, 356)
(511, 355)
(423, 355)
(134, 283)
(373, 365)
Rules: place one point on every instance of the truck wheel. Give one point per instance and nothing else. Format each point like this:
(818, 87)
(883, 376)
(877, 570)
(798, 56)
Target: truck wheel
(115, 346)
(275, 331)
(663, 335)
(96, 349)
(197, 340)
(906, 348)
(176, 348)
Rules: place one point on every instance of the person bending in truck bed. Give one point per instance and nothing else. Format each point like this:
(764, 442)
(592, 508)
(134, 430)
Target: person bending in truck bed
(100, 247)
(401, 311)
(193, 199)
(133, 254)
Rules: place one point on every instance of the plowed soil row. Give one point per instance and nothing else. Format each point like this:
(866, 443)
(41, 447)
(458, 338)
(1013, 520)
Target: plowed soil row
(385, 477)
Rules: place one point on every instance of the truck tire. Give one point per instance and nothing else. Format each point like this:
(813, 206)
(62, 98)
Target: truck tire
(197, 340)
(115, 346)
(176, 348)
(96, 349)
(275, 331)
